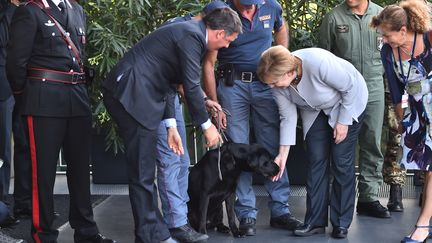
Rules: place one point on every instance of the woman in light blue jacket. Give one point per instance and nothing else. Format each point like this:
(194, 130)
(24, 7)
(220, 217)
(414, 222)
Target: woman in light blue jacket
(331, 96)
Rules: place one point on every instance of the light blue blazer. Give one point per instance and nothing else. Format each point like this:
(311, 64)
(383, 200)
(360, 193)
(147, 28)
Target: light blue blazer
(329, 84)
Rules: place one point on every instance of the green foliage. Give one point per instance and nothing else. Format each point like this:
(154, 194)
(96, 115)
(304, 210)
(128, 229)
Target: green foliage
(114, 26)
(304, 18)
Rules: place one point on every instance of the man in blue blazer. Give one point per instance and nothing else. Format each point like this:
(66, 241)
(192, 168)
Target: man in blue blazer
(139, 91)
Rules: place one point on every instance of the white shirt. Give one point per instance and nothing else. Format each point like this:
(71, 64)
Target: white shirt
(57, 2)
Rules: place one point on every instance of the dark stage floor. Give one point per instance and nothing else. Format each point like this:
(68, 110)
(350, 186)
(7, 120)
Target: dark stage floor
(114, 218)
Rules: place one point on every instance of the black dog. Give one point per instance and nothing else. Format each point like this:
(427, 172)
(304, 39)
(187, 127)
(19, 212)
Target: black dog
(207, 191)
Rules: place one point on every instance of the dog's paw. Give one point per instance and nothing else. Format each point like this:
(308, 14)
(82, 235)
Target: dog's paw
(222, 229)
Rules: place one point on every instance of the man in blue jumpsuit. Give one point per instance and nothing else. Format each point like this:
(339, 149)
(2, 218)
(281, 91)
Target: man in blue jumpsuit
(240, 92)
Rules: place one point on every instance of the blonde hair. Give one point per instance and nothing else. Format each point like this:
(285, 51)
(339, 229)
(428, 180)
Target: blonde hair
(275, 62)
(413, 14)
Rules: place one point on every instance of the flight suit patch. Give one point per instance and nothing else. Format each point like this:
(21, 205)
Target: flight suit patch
(343, 28)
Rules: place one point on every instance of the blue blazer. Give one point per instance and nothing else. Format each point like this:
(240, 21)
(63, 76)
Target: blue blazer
(146, 78)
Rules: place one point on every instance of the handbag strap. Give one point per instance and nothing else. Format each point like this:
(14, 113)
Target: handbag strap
(66, 36)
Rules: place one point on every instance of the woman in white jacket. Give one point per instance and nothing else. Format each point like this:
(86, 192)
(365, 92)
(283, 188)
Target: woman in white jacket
(331, 96)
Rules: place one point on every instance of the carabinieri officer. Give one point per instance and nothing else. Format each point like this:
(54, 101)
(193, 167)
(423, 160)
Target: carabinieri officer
(44, 66)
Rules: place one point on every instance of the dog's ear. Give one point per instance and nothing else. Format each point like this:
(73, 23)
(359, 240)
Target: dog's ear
(254, 159)
(257, 155)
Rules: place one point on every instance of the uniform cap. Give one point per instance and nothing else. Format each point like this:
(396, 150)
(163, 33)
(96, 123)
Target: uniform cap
(251, 2)
(209, 7)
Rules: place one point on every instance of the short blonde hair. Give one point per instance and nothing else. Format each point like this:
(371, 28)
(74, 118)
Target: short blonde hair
(275, 62)
(413, 14)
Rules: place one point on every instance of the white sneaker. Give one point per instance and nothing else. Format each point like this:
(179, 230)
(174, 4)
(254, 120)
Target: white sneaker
(169, 240)
(4, 238)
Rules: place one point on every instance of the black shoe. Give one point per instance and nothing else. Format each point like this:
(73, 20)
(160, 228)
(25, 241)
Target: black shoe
(9, 222)
(22, 213)
(285, 221)
(339, 232)
(395, 201)
(99, 238)
(186, 233)
(247, 226)
(373, 209)
(308, 230)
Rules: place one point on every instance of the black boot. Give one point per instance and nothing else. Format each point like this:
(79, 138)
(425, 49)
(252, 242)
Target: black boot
(395, 200)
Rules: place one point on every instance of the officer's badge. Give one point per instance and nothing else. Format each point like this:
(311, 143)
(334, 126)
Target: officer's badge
(265, 17)
(379, 42)
(49, 23)
(343, 28)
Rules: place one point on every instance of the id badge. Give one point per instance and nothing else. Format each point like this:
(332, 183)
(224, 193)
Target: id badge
(404, 102)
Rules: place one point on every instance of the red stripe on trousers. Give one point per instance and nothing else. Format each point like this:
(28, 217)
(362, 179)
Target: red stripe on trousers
(35, 191)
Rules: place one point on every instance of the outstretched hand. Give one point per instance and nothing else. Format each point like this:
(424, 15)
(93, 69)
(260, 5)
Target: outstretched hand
(174, 141)
(281, 162)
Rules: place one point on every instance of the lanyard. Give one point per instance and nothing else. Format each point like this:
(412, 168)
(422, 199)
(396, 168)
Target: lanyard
(405, 78)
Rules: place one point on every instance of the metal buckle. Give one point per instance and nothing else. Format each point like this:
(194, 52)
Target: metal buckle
(248, 78)
(74, 79)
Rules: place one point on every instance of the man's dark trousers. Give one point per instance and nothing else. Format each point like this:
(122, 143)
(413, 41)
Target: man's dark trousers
(48, 135)
(22, 162)
(141, 152)
(6, 107)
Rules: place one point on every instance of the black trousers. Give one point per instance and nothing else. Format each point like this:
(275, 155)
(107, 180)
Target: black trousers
(46, 136)
(141, 163)
(6, 107)
(22, 162)
(325, 159)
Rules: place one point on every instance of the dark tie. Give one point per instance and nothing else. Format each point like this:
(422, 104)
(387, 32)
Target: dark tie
(63, 8)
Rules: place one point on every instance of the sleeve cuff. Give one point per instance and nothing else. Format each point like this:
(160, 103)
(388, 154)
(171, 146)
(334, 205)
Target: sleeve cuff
(170, 122)
(206, 125)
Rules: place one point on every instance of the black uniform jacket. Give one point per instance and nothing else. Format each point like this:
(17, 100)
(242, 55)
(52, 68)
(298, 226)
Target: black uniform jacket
(147, 75)
(5, 19)
(35, 42)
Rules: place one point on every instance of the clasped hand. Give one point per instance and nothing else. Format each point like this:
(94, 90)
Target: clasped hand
(340, 132)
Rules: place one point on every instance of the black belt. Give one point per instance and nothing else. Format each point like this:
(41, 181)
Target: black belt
(235, 74)
(56, 76)
(246, 77)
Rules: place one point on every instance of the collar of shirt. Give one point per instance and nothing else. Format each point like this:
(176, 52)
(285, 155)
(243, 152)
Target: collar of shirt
(57, 2)
(232, 5)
